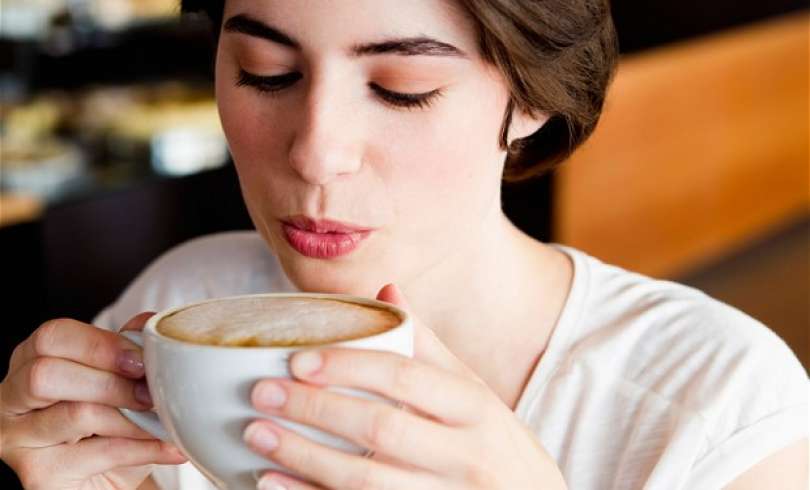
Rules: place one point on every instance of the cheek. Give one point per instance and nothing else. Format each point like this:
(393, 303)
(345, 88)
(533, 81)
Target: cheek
(252, 145)
(241, 126)
(245, 124)
(451, 164)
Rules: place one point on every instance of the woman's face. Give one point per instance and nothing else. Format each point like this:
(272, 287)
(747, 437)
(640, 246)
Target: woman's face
(331, 143)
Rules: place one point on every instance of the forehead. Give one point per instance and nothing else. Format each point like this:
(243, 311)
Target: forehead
(318, 27)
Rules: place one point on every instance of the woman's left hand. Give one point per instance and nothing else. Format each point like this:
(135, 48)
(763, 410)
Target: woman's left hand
(454, 432)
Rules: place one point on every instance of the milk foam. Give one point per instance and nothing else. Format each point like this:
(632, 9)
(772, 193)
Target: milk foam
(272, 321)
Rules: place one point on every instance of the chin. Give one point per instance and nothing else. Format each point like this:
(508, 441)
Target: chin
(314, 276)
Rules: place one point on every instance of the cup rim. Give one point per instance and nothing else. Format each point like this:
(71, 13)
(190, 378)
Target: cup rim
(150, 328)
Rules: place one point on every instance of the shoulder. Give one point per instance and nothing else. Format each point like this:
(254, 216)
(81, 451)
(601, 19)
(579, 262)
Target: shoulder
(220, 264)
(694, 350)
(704, 358)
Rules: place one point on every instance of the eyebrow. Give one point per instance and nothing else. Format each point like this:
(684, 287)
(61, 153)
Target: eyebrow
(407, 46)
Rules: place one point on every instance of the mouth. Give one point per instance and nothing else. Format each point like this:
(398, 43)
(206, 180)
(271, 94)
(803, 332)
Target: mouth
(323, 239)
(322, 226)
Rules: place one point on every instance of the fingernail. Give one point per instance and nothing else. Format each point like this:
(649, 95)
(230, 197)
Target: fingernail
(261, 437)
(306, 362)
(142, 393)
(131, 362)
(270, 394)
(270, 483)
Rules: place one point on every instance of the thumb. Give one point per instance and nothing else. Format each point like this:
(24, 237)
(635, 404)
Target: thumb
(137, 322)
(427, 345)
(390, 293)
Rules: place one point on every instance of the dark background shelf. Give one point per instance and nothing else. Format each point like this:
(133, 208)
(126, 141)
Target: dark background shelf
(173, 48)
(147, 52)
(644, 24)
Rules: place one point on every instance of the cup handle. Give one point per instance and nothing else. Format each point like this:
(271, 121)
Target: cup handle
(147, 421)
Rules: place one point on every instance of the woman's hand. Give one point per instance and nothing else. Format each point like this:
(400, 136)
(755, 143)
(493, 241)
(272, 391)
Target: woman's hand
(60, 429)
(454, 433)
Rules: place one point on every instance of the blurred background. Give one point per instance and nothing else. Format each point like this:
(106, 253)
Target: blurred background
(111, 152)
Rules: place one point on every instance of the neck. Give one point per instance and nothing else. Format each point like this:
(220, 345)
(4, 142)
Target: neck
(499, 297)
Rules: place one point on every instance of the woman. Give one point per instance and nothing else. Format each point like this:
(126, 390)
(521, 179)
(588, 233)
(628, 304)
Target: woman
(536, 365)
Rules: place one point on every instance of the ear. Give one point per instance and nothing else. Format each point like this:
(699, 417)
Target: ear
(524, 124)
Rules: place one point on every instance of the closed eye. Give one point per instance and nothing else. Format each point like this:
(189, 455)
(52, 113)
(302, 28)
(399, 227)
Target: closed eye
(271, 85)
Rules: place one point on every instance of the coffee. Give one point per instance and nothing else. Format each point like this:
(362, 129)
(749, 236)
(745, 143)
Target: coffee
(276, 321)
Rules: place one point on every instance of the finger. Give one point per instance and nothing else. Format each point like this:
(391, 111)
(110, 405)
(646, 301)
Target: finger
(330, 467)
(404, 437)
(69, 422)
(47, 380)
(99, 454)
(273, 479)
(427, 345)
(457, 402)
(86, 344)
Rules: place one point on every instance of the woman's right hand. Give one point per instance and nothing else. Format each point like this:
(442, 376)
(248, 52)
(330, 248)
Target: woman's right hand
(59, 428)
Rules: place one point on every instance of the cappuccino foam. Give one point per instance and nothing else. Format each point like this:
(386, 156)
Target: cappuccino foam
(276, 321)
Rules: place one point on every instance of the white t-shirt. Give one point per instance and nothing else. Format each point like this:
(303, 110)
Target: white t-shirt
(644, 383)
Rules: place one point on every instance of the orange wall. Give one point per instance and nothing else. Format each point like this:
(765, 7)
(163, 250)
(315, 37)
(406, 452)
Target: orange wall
(702, 146)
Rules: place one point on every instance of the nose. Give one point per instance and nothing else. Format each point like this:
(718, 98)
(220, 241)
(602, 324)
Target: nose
(325, 144)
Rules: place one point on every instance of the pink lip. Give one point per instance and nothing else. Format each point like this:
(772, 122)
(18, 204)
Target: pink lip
(322, 225)
(324, 245)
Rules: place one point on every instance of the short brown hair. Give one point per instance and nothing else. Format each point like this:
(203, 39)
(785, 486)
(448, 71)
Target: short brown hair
(557, 56)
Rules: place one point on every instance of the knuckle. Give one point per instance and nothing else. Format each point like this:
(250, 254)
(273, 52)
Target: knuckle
(155, 447)
(81, 414)
(314, 408)
(94, 347)
(111, 384)
(40, 377)
(405, 376)
(299, 459)
(115, 448)
(477, 391)
(479, 476)
(16, 355)
(366, 479)
(80, 419)
(385, 429)
(43, 337)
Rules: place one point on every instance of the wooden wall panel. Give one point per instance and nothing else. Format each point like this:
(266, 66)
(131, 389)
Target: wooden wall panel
(702, 146)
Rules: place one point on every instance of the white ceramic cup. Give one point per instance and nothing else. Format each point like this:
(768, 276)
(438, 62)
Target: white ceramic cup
(201, 393)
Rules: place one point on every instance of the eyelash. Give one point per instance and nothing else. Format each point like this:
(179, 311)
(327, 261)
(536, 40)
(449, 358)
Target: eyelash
(273, 85)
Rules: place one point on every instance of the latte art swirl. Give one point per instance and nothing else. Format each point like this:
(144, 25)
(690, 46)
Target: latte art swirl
(276, 321)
